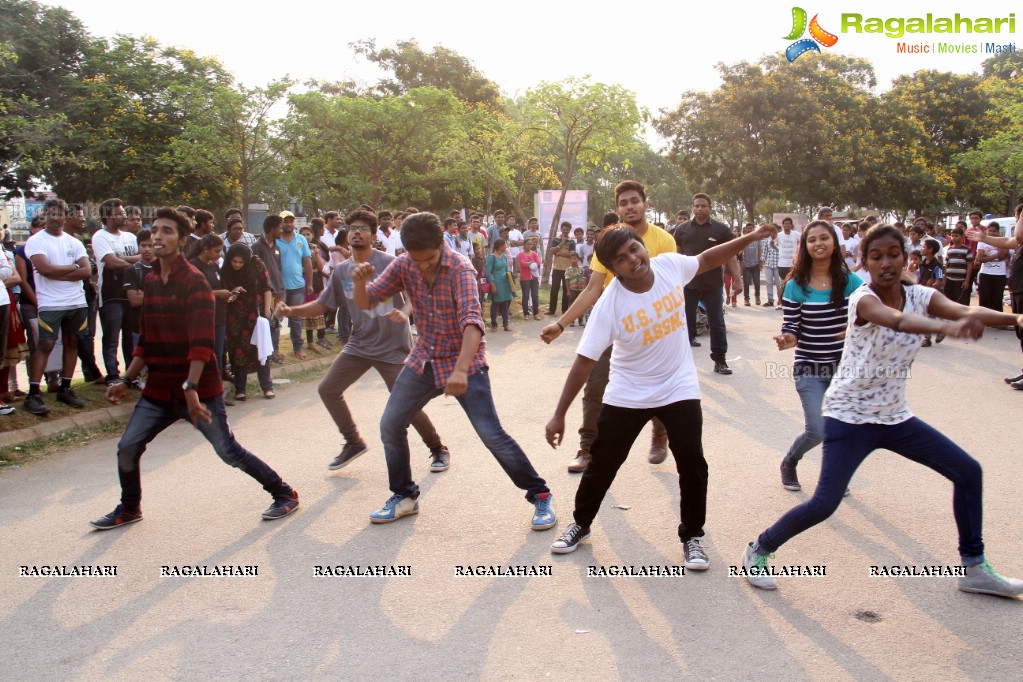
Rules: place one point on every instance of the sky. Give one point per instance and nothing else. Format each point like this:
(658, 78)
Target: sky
(657, 49)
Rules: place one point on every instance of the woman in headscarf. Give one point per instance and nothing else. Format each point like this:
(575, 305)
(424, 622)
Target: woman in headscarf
(245, 276)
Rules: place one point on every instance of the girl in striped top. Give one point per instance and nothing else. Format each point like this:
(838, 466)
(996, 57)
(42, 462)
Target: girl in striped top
(815, 308)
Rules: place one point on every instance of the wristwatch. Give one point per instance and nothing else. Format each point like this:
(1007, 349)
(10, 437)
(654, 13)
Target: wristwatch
(189, 386)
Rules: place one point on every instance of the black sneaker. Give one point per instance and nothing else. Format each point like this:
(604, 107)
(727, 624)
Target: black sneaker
(695, 344)
(349, 452)
(117, 518)
(721, 367)
(570, 539)
(441, 459)
(1012, 380)
(789, 480)
(35, 405)
(68, 397)
(282, 506)
(695, 559)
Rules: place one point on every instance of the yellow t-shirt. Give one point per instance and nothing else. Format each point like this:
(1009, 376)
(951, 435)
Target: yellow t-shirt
(656, 241)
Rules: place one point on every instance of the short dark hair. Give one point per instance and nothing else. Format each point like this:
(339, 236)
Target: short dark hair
(384, 214)
(183, 222)
(701, 195)
(627, 185)
(365, 216)
(187, 210)
(106, 209)
(421, 231)
(566, 224)
(132, 210)
(917, 229)
(144, 235)
(449, 222)
(203, 216)
(610, 218)
(498, 243)
(976, 213)
(232, 211)
(330, 215)
(55, 203)
(235, 221)
(411, 210)
(610, 240)
(210, 241)
(271, 222)
(933, 244)
(498, 212)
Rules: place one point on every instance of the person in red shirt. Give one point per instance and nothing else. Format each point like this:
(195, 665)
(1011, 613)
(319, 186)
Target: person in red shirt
(176, 343)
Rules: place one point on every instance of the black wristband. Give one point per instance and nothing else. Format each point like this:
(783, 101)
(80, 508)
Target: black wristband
(560, 326)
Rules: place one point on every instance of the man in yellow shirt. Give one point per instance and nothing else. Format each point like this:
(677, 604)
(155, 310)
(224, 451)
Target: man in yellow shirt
(631, 206)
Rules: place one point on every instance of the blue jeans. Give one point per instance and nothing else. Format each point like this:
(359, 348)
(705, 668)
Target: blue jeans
(530, 291)
(410, 395)
(811, 394)
(845, 448)
(295, 297)
(219, 339)
(150, 418)
(344, 322)
(714, 303)
(113, 316)
(87, 345)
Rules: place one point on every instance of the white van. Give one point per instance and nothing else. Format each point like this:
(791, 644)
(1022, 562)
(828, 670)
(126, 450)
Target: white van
(1005, 225)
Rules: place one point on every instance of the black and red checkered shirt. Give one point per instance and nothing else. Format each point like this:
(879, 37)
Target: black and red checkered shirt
(176, 327)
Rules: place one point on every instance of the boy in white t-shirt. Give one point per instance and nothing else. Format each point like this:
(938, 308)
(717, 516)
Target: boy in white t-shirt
(642, 313)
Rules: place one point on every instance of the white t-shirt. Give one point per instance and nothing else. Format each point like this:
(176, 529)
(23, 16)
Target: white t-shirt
(514, 235)
(54, 294)
(6, 271)
(869, 386)
(651, 361)
(104, 243)
(787, 245)
(995, 267)
(852, 251)
(391, 243)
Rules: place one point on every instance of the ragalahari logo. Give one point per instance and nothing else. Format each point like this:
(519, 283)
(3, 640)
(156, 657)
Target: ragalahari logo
(817, 35)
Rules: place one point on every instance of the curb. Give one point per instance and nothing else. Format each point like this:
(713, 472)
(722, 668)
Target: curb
(45, 428)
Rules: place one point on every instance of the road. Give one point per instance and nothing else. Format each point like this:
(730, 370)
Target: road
(287, 622)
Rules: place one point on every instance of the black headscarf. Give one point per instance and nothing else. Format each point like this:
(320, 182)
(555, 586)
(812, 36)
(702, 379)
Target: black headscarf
(246, 277)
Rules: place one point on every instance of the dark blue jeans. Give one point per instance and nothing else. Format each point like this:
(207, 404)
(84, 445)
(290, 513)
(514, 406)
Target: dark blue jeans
(410, 395)
(714, 303)
(87, 345)
(113, 316)
(295, 297)
(150, 418)
(530, 291)
(845, 448)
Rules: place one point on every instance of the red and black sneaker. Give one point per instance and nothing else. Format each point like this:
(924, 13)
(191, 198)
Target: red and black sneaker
(117, 518)
(282, 506)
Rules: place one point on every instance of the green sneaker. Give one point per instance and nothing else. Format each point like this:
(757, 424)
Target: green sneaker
(758, 573)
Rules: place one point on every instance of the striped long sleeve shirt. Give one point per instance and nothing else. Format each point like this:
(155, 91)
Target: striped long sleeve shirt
(812, 318)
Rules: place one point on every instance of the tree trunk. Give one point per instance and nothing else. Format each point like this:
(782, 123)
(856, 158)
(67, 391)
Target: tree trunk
(549, 259)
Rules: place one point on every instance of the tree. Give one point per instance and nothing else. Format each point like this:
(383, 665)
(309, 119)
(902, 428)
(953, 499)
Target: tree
(347, 150)
(583, 123)
(441, 68)
(233, 140)
(41, 49)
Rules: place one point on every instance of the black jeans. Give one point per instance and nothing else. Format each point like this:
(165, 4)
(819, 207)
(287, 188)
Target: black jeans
(955, 290)
(617, 430)
(751, 276)
(558, 282)
(1017, 308)
(714, 304)
(990, 290)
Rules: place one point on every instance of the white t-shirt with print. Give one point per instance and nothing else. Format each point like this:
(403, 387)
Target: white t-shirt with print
(788, 245)
(55, 294)
(869, 386)
(651, 361)
(995, 267)
(122, 244)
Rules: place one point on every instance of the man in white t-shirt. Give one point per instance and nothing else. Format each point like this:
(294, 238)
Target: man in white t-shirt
(515, 241)
(641, 314)
(787, 243)
(115, 251)
(61, 265)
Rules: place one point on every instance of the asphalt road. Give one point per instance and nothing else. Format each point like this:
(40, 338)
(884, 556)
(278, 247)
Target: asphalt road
(287, 623)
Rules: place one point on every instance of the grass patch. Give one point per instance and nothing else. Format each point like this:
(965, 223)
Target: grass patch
(35, 449)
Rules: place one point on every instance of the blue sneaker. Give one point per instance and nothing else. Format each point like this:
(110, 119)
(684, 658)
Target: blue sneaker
(543, 516)
(395, 508)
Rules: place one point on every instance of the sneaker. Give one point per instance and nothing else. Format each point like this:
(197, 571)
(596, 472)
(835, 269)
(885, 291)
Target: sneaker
(1012, 380)
(35, 405)
(570, 539)
(68, 397)
(695, 344)
(349, 452)
(926, 343)
(1018, 385)
(282, 506)
(939, 338)
(658, 450)
(441, 459)
(324, 343)
(6, 409)
(746, 303)
(695, 558)
(769, 304)
(982, 579)
(537, 317)
(757, 301)
(721, 367)
(777, 307)
(789, 480)
(581, 461)
(394, 508)
(543, 514)
(758, 573)
(116, 518)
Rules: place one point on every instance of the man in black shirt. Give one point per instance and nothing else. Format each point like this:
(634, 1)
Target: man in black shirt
(693, 238)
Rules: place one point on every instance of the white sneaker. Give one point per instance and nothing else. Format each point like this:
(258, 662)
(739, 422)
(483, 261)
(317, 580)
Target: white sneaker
(758, 573)
(396, 507)
(982, 579)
